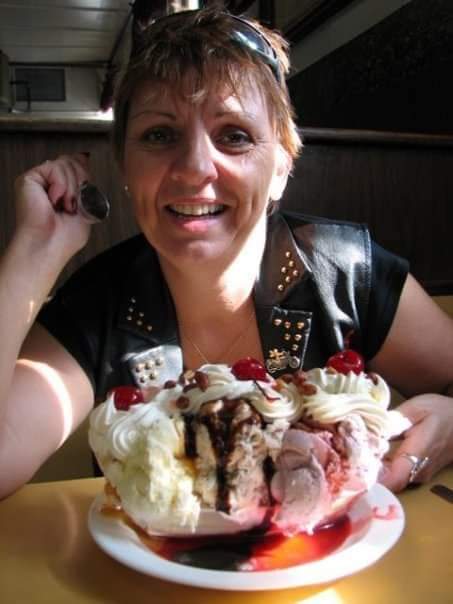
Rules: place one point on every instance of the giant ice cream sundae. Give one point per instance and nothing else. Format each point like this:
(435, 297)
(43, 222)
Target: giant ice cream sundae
(226, 449)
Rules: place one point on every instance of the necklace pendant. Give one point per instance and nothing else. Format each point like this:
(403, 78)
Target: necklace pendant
(228, 350)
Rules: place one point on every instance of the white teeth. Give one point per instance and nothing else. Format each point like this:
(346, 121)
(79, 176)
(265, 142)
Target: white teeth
(196, 210)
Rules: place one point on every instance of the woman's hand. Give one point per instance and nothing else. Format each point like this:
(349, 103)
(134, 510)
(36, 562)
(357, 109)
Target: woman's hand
(46, 205)
(431, 436)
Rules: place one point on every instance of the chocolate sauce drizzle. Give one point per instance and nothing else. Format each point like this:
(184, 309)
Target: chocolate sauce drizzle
(224, 420)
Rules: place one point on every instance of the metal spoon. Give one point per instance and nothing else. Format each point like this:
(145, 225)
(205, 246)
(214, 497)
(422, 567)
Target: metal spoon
(92, 204)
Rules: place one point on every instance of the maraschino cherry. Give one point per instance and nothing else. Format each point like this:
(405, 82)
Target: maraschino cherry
(126, 396)
(347, 360)
(249, 368)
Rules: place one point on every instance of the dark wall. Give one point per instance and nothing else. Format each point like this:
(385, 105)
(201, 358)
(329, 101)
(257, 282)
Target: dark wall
(397, 76)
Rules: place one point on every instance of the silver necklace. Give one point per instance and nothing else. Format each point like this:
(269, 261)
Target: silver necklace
(226, 352)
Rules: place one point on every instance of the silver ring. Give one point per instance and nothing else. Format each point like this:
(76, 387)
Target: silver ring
(418, 464)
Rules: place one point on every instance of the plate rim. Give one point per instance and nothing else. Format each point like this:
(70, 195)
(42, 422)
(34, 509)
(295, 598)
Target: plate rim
(121, 543)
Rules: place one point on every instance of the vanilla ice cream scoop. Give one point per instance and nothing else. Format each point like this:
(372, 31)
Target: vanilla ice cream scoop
(141, 452)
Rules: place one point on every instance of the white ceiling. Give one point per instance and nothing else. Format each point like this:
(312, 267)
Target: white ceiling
(60, 31)
(84, 31)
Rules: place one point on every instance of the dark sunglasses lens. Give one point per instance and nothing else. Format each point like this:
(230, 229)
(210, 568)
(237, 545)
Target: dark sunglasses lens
(246, 35)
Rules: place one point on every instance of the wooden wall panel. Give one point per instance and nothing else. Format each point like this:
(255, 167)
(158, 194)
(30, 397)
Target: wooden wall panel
(401, 186)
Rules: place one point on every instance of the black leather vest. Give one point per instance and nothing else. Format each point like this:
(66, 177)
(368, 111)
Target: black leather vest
(312, 290)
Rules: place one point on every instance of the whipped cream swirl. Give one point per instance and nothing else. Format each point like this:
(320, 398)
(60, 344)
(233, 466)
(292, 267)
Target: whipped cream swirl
(114, 433)
(338, 396)
(285, 403)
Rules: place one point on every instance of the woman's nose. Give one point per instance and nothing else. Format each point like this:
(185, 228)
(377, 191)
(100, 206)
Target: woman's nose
(195, 163)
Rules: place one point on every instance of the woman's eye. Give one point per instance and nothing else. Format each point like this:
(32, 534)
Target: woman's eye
(161, 135)
(236, 138)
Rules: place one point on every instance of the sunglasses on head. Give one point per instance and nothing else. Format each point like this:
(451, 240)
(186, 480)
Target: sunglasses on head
(244, 34)
(251, 38)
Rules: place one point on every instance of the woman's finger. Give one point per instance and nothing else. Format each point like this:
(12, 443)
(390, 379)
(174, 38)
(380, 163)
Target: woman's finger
(404, 469)
(64, 176)
(415, 459)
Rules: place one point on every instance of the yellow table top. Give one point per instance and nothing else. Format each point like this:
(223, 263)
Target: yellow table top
(47, 555)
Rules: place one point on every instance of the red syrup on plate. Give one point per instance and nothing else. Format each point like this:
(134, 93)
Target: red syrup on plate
(248, 551)
(255, 552)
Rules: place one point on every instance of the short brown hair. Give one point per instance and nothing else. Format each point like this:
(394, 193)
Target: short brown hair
(201, 40)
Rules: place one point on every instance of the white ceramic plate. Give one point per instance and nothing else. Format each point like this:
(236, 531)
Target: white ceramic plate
(378, 519)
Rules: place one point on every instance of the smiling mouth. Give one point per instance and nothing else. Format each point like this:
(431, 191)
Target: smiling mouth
(196, 210)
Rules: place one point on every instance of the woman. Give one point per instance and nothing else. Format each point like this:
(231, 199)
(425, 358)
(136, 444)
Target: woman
(205, 140)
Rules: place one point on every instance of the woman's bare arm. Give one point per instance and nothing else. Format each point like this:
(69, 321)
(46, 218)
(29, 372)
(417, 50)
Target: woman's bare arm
(47, 235)
(417, 359)
(417, 355)
(49, 397)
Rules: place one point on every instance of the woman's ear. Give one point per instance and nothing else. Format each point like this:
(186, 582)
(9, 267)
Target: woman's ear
(282, 170)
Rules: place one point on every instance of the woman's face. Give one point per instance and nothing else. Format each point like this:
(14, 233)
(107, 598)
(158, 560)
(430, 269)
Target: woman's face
(201, 174)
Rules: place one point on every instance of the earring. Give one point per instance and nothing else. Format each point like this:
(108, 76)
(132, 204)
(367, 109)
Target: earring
(126, 190)
(271, 207)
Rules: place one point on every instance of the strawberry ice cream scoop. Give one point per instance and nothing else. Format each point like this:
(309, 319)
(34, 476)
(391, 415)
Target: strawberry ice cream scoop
(334, 452)
(299, 484)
